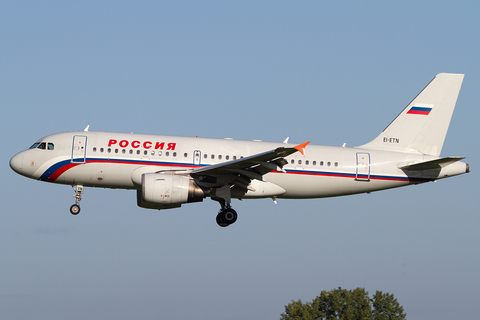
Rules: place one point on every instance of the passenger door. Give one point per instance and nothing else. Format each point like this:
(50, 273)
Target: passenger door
(79, 148)
(363, 167)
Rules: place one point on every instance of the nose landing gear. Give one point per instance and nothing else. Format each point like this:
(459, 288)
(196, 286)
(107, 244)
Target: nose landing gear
(75, 208)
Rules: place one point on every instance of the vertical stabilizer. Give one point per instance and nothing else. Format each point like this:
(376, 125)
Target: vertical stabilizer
(423, 124)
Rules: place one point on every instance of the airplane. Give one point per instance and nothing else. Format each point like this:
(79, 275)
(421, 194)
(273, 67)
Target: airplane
(168, 171)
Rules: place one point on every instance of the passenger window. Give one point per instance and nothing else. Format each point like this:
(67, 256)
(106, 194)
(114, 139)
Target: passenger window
(174, 154)
(50, 146)
(34, 145)
(159, 153)
(152, 153)
(101, 149)
(123, 151)
(167, 153)
(109, 150)
(328, 164)
(292, 162)
(220, 157)
(186, 155)
(227, 157)
(307, 162)
(336, 164)
(145, 152)
(234, 157)
(213, 156)
(321, 163)
(116, 150)
(205, 156)
(131, 151)
(94, 149)
(138, 151)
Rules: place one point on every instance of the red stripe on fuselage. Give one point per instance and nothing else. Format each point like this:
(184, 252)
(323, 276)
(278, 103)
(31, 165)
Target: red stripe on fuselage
(61, 170)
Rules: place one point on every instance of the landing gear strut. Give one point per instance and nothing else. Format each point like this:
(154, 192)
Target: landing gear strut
(75, 208)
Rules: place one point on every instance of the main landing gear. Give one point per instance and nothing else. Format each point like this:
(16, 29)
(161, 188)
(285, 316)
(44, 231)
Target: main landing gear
(226, 216)
(75, 208)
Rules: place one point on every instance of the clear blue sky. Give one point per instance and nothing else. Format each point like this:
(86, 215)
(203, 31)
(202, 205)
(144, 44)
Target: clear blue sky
(330, 72)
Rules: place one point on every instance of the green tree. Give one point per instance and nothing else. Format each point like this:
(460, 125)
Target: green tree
(298, 311)
(386, 307)
(346, 305)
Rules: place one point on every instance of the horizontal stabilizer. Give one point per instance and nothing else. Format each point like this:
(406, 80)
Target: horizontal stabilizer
(432, 164)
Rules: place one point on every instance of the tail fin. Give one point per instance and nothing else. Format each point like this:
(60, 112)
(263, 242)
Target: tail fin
(423, 124)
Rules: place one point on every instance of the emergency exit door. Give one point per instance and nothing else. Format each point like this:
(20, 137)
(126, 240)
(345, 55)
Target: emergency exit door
(197, 156)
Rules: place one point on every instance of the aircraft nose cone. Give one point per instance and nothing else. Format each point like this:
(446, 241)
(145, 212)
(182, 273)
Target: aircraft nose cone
(16, 163)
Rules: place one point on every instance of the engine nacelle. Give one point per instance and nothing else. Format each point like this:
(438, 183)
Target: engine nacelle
(165, 191)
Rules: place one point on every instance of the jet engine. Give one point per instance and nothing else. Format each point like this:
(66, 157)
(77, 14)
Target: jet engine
(166, 191)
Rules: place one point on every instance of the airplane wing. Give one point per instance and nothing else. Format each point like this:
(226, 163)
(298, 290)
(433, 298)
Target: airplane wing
(241, 171)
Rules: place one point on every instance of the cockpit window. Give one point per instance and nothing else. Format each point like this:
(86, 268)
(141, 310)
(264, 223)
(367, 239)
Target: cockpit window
(42, 145)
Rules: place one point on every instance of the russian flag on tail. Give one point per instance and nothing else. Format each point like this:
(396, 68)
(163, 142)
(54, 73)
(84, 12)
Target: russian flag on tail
(419, 110)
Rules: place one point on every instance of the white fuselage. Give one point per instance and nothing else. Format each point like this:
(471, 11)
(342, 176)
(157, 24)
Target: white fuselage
(168, 171)
(118, 160)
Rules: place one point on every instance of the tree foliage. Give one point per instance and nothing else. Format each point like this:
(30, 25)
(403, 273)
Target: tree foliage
(346, 305)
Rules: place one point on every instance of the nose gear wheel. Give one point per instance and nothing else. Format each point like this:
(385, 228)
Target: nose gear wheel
(75, 209)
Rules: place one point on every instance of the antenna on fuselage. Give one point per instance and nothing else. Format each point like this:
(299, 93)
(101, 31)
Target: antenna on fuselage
(286, 140)
(86, 129)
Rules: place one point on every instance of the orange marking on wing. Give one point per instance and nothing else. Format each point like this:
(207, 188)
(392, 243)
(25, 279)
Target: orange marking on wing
(301, 147)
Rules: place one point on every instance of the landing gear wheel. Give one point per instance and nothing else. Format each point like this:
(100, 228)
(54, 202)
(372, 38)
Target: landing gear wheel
(226, 217)
(229, 216)
(75, 209)
(220, 221)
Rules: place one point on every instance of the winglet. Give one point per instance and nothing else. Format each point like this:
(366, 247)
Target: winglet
(301, 147)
